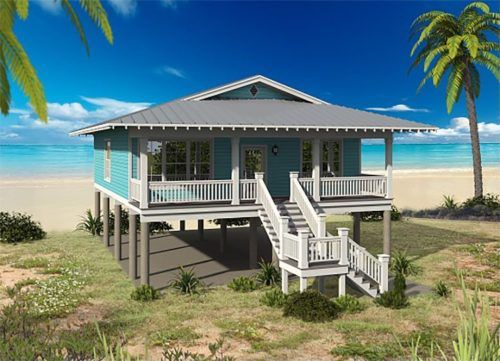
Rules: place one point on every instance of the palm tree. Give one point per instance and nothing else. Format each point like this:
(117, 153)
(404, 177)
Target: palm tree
(459, 45)
(14, 59)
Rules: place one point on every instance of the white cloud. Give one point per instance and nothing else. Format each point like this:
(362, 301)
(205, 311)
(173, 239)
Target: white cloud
(169, 3)
(170, 70)
(50, 6)
(8, 135)
(124, 7)
(398, 108)
(109, 108)
(67, 110)
(457, 132)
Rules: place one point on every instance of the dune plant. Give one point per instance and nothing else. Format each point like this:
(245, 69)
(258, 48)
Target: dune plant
(442, 289)
(274, 298)
(402, 264)
(144, 293)
(90, 223)
(187, 282)
(449, 202)
(268, 274)
(18, 227)
(243, 284)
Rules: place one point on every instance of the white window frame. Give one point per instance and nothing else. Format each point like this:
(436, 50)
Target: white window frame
(107, 160)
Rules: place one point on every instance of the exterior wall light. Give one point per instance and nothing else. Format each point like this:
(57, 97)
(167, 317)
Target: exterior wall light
(275, 149)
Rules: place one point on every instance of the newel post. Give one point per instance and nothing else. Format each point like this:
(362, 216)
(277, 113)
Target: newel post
(258, 177)
(384, 272)
(322, 225)
(293, 176)
(283, 229)
(235, 170)
(303, 261)
(143, 169)
(316, 172)
(344, 244)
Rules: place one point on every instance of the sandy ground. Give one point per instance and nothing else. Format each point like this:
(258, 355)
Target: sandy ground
(58, 203)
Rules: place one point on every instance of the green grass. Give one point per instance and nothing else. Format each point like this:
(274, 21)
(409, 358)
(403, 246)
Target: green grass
(255, 331)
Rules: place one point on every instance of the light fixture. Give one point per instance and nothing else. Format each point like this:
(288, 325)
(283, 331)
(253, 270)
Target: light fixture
(275, 149)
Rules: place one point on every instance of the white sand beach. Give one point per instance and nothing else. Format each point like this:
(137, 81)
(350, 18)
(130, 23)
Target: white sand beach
(58, 203)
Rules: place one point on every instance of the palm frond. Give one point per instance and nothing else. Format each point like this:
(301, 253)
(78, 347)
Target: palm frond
(432, 55)
(99, 16)
(424, 81)
(66, 5)
(489, 46)
(22, 7)
(7, 14)
(479, 5)
(490, 62)
(439, 69)
(426, 17)
(23, 72)
(445, 21)
(472, 43)
(5, 95)
(454, 86)
(453, 44)
(481, 23)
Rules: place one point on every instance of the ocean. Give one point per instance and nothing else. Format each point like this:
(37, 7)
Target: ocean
(54, 161)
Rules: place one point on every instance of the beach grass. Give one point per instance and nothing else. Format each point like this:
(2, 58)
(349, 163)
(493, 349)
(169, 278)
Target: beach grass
(443, 249)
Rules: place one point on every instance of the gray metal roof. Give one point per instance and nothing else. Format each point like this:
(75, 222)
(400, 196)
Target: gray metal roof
(256, 113)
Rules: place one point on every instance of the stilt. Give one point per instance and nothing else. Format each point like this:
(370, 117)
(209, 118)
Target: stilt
(252, 243)
(105, 220)
(356, 227)
(223, 235)
(387, 232)
(97, 203)
(303, 284)
(182, 225)
(284, 281)
(321, 284)
(201, 232)
(132, 245)
(117, 234)
(341, 285)
(144, 253)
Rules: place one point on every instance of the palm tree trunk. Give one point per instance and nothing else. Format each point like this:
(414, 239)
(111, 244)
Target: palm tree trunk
(474, 136)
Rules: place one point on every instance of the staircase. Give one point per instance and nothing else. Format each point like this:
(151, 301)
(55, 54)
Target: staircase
(309, 251)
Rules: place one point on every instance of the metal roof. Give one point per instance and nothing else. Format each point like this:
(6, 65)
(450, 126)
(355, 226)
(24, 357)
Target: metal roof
(255, 113)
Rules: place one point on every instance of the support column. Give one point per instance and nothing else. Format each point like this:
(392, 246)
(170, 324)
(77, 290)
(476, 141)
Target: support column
(303, 284)
(342, 285)
(117, 234)
(182, 225)
(132, 245)
(284, 281)
(105, 220)
(252, 243)
(387, 232)
(235, 169)
(201, 229)
(388, 164)
(143, 171)
(144, 253)
(356, 227)
(223, 235)
(316, 165)
(97, 203)
(321, 284)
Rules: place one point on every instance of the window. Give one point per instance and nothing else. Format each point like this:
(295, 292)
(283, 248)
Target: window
(330, 159)
(154, 160)
(107, 161)
(306, 170)
(176, 165)
(200, 160)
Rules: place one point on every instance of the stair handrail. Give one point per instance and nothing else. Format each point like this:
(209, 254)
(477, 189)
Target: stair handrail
(315, 221)
(278, 222)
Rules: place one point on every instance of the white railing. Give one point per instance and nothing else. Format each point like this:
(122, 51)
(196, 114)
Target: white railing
(248, 189)
(353, 186)
(325, 249)
(135, 189)
(190, 191)
(361, 260)
(308, 185)
(291, 244)
(317, 222)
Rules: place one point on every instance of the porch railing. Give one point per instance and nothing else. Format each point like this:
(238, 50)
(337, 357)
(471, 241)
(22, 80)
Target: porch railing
(248, 189)
(190, 191)
(135, 189)
(324, 249)
(353, 186)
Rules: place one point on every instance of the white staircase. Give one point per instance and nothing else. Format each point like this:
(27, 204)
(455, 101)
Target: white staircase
(297, 231)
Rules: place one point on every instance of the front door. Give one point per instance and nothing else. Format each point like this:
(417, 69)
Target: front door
(253, 160)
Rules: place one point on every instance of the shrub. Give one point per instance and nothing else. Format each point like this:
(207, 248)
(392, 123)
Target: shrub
(232, 221)
(392, 299)
(268, 274)
(17, 227)
(217, 353)
(144, 293)
(159, 227)
(187, 282)
(274, 298)
(243, 284)
(442, 289)
(489, 200)
(401, 263)
(348, 304)
(310, 306)
(449, 202)
(377, 216)
(90, 223)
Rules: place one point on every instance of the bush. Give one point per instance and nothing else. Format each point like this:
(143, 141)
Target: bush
(348, 304)
(395, 298)
(187, 282)
(144, 293)
(268, 274)
(90, 223)
(232, 221)
(377, 216)
(441, 289)
(274, 298)
(18, 227)
(489, 200)
(401, 263)
(243, 284)
(449, 202)
(310, 306)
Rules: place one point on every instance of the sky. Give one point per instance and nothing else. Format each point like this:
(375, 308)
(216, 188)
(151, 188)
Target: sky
(354, 54)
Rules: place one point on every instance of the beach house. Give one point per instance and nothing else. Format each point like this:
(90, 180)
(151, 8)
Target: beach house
(254, 149)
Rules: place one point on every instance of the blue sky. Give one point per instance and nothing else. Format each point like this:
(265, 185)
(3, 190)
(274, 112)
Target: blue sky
(354, 54)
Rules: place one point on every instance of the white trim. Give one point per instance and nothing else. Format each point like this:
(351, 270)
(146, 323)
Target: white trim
(117, 198)
(252, 80)
(107, 162)
(244, 147)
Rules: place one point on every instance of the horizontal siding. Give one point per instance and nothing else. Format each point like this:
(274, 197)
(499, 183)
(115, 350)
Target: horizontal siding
(351, 157)
(119, 161)
(222, 158)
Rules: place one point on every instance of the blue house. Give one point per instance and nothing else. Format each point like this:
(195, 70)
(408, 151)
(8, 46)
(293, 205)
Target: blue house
(255, 149)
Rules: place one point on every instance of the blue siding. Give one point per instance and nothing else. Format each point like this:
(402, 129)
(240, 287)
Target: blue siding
(264, 92)
(222, 158)
(119, 160)
(135, 158)
(351, 157)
